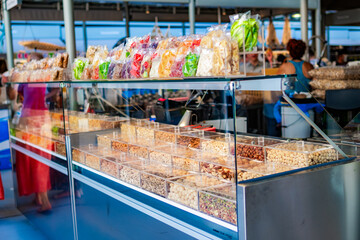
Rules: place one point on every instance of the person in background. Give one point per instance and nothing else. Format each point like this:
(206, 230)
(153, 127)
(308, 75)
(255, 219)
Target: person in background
(281, 59)
(33, 177)
(340, 58)
(253, 64)
(297, 66)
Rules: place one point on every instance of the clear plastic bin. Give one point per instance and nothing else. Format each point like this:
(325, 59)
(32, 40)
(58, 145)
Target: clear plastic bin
(146, 130)
(154, 177)
(182, 157)
(161, 157)
(254, 147)
(138, 151)
(109, 166)
(111, 122)
(219, 202)
(168, 134)
(300, 153)
(78, 155)
(192, 139)
(219, 166)
(104, 140)
(185, 189)
(217, 143)
(128, 128)
(130, 172)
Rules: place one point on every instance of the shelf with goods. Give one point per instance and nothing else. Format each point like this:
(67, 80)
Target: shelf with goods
(178, 176)
(130, 153)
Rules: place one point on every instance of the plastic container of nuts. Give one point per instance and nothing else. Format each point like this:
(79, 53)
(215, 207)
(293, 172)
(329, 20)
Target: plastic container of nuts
(219, 202)
(155, 176)
(78, 155)
(128, 128)
(111, 122)
(192, 139)
(300, 153)
(138, 150)
(217, 143)
(60, 147)
(109, 166)
(130, 171)
(219, 166)
(104, 140)
(185, 189)
(254, 147)
(168, 134)
(182, 157)
(247, 175)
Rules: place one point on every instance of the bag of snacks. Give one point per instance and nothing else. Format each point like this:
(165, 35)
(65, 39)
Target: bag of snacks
(167, 60)
(135, 71)
(87, 72)
(245, 28)
(146, 63)
(191, 64)
(222, 57)
(155, 63)
(235, 58)
(125, 71)
(95, 72)
(177, 67)
(205, 65)
(103, 69)
(115, 53)
(79, 66)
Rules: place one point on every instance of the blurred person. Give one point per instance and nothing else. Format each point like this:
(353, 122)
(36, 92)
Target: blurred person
(340, 58)
(253, 64)
(269, 57)
(33, 177)
(297, 66)
(281, 59)
(314, 60)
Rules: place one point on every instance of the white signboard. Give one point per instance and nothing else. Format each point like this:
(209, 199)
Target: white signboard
(12, 3)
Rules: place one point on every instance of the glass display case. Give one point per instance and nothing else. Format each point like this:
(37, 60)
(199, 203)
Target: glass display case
(189, 166)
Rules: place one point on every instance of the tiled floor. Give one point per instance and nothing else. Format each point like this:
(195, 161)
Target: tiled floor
(13, 225)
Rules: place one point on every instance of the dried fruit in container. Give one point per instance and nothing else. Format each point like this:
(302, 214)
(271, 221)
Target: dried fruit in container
(204, 66)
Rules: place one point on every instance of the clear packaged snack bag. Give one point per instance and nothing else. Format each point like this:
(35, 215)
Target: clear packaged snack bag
(245, 29)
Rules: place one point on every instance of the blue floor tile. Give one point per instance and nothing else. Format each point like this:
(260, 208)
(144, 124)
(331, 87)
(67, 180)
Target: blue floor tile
(19, 228)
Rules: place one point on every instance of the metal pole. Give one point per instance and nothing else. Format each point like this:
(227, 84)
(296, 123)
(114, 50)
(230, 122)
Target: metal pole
(318, 28)
(127, 19)
(68, 9)
(192, 16)
(85, 36)
(304, 23)
(8, 35)
(219, 15)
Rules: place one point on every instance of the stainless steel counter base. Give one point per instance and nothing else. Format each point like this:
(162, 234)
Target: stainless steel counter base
(321, 203)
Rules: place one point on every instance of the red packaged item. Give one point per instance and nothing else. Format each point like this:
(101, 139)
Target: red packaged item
(95, 73)
(136, 64)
